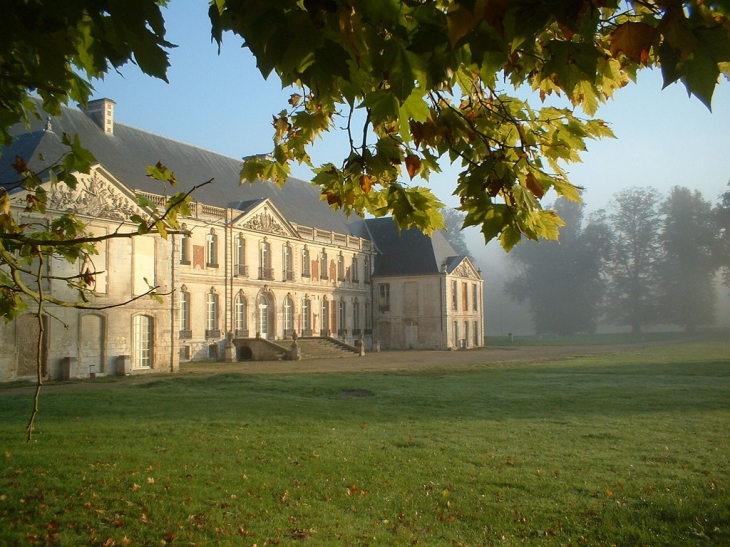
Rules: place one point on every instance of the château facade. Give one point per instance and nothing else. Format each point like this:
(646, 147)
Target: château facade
(257, 266)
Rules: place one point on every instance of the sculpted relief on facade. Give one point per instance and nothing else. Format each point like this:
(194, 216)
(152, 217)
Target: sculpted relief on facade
(92, 197)
(264, 222)
(463, 270)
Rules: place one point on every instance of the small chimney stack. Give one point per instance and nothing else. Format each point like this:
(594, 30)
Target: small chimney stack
(102, 112)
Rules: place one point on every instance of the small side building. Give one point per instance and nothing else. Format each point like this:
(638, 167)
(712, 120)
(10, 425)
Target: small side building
(425, 295)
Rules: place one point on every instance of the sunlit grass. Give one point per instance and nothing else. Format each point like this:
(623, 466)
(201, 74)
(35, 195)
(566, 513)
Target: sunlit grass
(624, 449)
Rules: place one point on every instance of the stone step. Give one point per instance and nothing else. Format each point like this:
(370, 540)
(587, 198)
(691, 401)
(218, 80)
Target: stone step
(322, 348)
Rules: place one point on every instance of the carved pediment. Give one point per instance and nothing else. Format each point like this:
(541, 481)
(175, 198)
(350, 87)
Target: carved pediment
(265, 222)
(465, 269)
(265, 217)
(94, 197)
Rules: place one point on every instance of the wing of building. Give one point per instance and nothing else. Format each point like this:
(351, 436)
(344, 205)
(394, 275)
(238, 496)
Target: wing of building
(258, 266)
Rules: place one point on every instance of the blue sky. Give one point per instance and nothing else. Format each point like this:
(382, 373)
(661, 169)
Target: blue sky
(222, 103)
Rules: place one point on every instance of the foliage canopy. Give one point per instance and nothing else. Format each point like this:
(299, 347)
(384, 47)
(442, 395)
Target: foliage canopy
(417, 83)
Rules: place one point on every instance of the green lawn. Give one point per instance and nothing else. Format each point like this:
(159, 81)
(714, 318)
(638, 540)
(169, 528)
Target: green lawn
(627, 449)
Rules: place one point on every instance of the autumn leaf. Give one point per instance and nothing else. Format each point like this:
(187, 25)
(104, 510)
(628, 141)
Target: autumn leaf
(413, 165)
(633, 40)
(333, 199)
(534, 186)
(366, 183)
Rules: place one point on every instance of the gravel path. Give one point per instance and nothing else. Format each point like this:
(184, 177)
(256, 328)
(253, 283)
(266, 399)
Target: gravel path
(374, 362)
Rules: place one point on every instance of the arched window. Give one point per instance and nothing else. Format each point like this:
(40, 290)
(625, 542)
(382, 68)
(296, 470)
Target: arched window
(366, 268)
(240, 310)
(354, 273)
(265, 270)
(306, 317)
(142, 341)
(239, 255)
(186, 248)
(323, 265)
(263, 316)
(356, 317)
(306, 265)
(185, 329)
(211, 250)
(340, 267)
(342, 318)
(211, 315)
(368, 319)
(288, 316)
(325, 316)
(288, 263)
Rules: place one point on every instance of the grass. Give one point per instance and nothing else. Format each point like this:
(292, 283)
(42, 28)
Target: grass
(626, 449)
(588, 339)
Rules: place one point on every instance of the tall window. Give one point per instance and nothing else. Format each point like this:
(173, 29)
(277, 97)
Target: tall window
(342, 316)
(366, 268)
(185, 314)
(474, 299)
(263, 316)
(288, 263)
(456, 334)
(211, 250)
(288, 316)
(325, 317)
(356, 317)
(185, 248)
(306, 265)
(265, 270)
(239, 255)
(323, 265)
(384, 293)
(306, 316)
(476, 333)
(465, 297)
(340, 267)
(368, 318)
(454, 295)
(142, 341)
(211, 315)
(354, 275)
(241, 314)
(466, 333)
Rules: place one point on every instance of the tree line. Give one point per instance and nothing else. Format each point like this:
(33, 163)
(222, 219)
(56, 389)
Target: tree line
(647, 259)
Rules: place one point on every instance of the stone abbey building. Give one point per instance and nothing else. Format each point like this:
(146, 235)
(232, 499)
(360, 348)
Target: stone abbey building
(258, 265)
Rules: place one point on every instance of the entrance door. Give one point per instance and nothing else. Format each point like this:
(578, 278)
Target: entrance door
(263, 316)
(384, 334)
(27, 344)
(410, 331)
(91, 345)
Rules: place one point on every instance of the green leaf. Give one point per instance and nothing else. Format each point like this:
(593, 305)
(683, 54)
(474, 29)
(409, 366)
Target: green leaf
(162, 173)
(383, 105)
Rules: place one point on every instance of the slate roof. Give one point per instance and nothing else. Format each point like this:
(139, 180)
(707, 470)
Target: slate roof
(126, 153)
(409, 252)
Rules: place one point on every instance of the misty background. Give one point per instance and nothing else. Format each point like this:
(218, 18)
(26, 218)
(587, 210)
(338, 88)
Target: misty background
(505, 314)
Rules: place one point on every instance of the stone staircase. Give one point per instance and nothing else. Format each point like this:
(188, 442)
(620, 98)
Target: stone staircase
(323, 348)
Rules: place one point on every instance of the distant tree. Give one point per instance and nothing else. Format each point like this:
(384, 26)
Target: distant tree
(454, 220)
(561, 281)
(634, 219)
(722, 222)
(689, 260)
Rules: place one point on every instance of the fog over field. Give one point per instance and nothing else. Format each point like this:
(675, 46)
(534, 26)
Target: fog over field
(502, 315)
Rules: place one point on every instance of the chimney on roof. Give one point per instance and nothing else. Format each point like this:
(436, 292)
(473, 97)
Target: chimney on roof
(102, 112)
